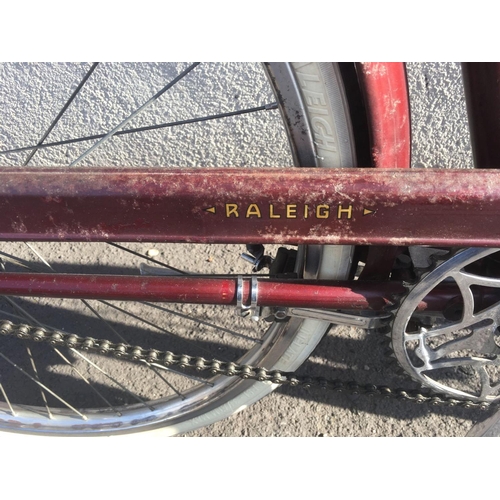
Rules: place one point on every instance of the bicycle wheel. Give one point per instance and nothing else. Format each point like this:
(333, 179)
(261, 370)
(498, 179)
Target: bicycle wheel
(46, 390)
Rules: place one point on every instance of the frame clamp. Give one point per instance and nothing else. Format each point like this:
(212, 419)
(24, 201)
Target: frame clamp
(245, 310)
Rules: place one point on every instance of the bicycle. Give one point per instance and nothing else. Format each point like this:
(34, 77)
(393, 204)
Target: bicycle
(290, 339)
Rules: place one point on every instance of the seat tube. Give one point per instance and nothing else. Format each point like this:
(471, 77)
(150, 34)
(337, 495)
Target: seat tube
(482, 96)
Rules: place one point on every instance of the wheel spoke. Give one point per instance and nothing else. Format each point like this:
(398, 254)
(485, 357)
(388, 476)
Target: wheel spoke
(22, 318)
(139, 110)
(158, 327)
(35, 321)
(7, 400)
(265, 107)
(18, 262)
(99, 316)
(107, 375)
(59, 115)
(26, 315)
(155, 370)
(31, 318)
(107, 324)
(137, 254)
(86, 380)
(202, 322)
(65, 403)
(35, 372)
(39, 255)
(190, 377)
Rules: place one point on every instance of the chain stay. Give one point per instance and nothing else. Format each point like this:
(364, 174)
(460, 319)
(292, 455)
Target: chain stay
(216, 367)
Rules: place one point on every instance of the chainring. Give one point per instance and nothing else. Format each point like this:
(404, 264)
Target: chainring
(454, 351)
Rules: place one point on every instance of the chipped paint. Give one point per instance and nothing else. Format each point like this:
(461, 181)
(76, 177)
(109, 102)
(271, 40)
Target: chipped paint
(408, 207)
(388, 110)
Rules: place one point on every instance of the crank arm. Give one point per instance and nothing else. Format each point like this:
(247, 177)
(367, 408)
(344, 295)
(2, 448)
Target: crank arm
(366, 321)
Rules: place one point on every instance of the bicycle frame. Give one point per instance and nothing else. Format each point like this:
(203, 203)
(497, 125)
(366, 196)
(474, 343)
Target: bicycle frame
(348, 206)
(309, 206)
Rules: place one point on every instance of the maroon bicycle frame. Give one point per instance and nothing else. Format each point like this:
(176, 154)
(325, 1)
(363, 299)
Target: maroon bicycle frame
(378, 206)
(289, 206)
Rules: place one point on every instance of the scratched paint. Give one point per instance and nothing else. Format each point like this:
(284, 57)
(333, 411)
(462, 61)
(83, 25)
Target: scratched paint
(348, 206)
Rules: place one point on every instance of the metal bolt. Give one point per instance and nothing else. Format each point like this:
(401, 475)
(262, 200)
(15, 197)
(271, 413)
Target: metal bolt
(281, 313)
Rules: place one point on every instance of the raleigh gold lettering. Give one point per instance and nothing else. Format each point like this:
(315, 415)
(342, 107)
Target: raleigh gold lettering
(291, 211)
(322, 212)
(232, 209)
(342, 210)
(272, 215)
(253, 209)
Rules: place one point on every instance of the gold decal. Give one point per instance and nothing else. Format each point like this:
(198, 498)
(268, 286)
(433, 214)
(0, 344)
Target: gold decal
(342, 210)
(272, 215)
(291, 211)
(210, 209)
(322, 212)
(232, 209)
(253, 209)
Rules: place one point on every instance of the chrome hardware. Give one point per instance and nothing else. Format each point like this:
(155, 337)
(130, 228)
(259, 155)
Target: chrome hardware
(245, 310)
(366, 321)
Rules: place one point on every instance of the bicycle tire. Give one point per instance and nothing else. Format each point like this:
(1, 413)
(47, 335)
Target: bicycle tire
(285, 345)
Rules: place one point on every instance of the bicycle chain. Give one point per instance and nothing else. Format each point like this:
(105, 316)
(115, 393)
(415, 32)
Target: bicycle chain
(229, 369)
